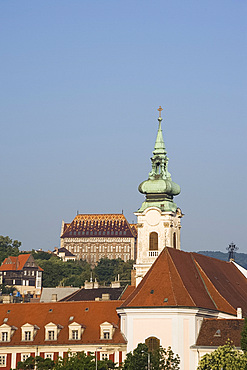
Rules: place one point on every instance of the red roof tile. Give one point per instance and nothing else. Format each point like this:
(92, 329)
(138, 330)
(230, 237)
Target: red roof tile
(16, 263)
(88, 314)
(180, 278)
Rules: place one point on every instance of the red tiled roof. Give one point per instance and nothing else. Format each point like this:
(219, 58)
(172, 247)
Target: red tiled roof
(98, 225)
(88, 314)
(216, 332)
(180, 278)
(127, 292)
(16, 263)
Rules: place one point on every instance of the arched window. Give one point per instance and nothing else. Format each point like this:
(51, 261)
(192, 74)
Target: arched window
(152, 343)
(174, 241)
(153, 241)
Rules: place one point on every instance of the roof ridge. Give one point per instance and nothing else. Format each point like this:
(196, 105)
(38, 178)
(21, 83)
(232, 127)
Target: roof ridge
(179, 276)
(214, 287)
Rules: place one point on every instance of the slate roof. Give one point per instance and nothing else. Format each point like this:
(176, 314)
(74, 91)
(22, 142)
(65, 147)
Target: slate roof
(12, 263)
(98, 225)
(91, 294)
(216, 332)
(66, 252)
(184, 279)
(61, 292)
(88, 314)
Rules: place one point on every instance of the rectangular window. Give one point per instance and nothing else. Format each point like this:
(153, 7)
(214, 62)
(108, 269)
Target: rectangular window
(25, 356)
(49, 355)
(33, 273)
(51, 335)
(3, 360)
(75, 334)
(5, 336)
(104, 356)
(27, 335)
(106, 335)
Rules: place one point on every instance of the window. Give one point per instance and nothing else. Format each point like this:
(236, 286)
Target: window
(49, 355)
(3, 360)
(51, 335)
(75, 334)
(106, 335)
(5, 336)
(33, 273)
(152, 343)
(104, 356)
(153, 241)
(25, 356)
(27, 335)
(25, 273)
(174, 241)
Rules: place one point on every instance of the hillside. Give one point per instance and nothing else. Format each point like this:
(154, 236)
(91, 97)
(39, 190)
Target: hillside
(240, 258)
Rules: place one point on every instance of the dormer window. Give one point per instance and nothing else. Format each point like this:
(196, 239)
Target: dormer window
(52, 330)
(75, 331)
(106, 330)
(28, 332)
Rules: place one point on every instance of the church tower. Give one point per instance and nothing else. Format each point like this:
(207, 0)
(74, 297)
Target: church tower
(158, 219)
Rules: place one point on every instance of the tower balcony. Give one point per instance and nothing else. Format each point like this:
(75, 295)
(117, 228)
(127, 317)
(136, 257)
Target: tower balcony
(153, 253)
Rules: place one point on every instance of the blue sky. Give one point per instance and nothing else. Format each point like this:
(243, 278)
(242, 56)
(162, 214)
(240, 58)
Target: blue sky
(81, 82)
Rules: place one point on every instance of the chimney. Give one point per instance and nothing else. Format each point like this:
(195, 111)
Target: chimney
(239, 313)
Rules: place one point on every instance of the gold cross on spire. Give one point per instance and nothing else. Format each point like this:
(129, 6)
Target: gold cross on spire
(160, 110)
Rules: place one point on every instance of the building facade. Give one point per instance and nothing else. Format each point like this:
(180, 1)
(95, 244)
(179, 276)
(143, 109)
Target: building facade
(51, 329)
(23, 273)
(94, 236)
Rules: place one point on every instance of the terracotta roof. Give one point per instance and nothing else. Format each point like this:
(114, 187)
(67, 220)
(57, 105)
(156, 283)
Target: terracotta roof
(216, 332)
(91, 294)
(182, 279)
(100, 225)
(16, 263)
(127, 292)
(88, 314)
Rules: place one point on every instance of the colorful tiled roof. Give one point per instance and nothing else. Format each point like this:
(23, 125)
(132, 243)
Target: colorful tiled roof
(98, 225)
(89, 314)
(16, 263)
(216, 332)
(182, 279)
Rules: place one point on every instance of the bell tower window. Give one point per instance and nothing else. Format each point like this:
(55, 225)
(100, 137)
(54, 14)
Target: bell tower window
(153, 241)
(174, 241)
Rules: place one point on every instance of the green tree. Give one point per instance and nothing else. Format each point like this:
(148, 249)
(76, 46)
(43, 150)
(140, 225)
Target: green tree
(244, 337)
(108, 269)
(41, 255)
(38, 363)
(225, 357)
(138, 359)
(78, 361)
(8, 247)
(165, 359)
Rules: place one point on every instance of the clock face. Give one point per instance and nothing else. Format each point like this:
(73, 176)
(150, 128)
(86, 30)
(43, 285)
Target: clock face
(153, 217)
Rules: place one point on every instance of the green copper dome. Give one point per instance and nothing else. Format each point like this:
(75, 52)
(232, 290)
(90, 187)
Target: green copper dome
(159, 188)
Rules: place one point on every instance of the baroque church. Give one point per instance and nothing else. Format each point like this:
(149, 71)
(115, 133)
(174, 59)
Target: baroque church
(190, 302)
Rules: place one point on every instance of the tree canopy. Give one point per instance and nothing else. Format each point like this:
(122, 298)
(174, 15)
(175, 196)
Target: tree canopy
(160, 359)
(225, 357)
(8, 247)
